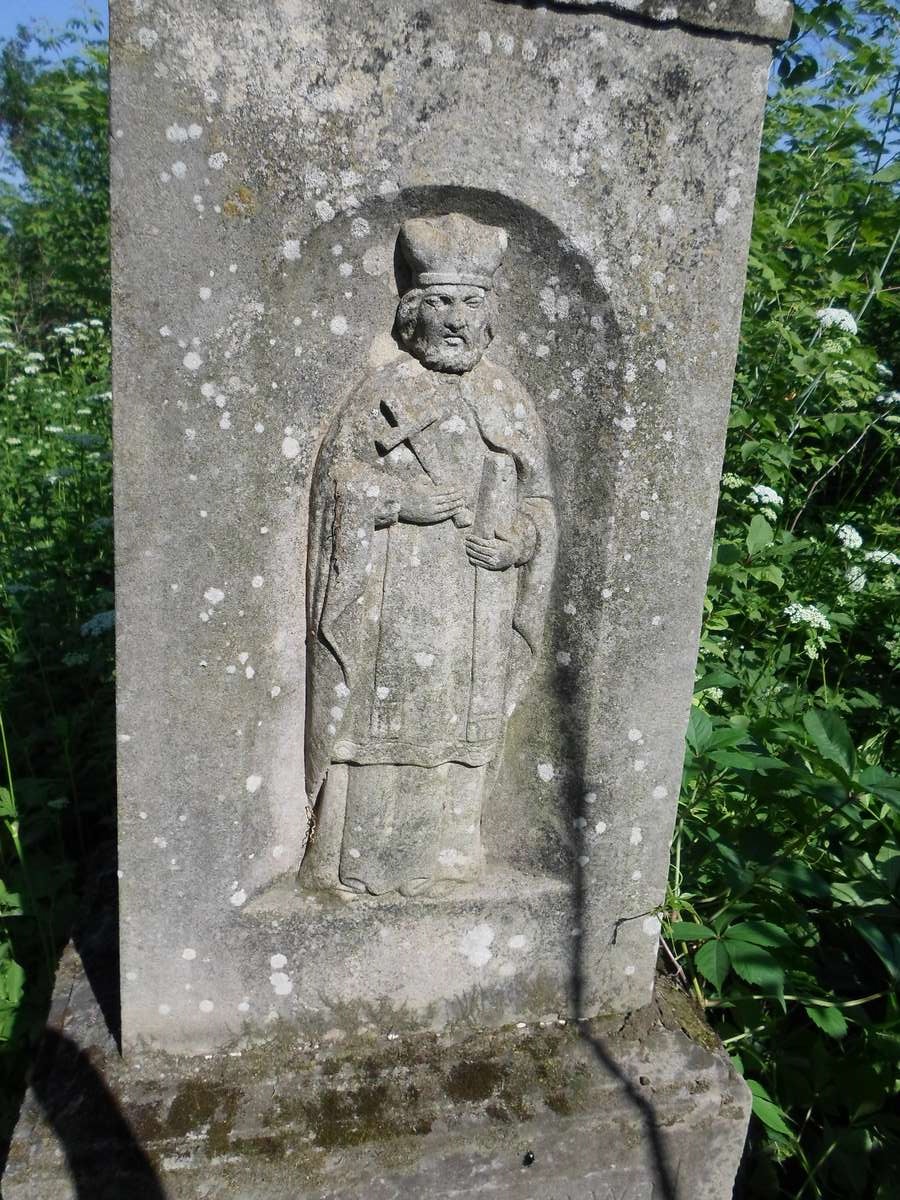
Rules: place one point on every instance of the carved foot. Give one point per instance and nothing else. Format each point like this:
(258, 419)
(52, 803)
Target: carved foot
(414, 887)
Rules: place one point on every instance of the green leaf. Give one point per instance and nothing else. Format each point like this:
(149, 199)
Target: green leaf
(759, 535)
(831, 738)
(713, 962)
(757, 966)
(885, 945)
(720, 679)
(699, 730)
(768, 1112)
(12, 982)
(10, 902)
(687, 931)
(760, 933)
(741, 760)
(888, 174)
(727, 554)
(878, 782)
(769, 573)
(830, 1020)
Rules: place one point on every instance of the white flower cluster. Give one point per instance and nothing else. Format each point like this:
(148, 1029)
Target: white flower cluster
(886, 398)
(815, 621)
(837, 318)
(886, 558)
(856, 579)
(761, 493)
(850, 538)
(807, 614)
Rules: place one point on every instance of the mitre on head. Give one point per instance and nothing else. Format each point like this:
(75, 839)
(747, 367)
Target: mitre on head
(451, 249)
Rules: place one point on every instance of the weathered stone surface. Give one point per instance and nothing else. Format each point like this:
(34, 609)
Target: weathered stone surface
(645, 1108)
(263, 163)
(768, 19)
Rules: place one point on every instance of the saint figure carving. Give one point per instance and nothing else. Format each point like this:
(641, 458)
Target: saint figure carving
(431, 552)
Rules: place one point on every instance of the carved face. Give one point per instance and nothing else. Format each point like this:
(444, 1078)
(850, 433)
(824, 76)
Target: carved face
(451, 329)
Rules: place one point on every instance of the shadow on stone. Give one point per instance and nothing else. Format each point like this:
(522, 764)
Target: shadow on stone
(103, 1155)
(664, 1181)
(96, 935)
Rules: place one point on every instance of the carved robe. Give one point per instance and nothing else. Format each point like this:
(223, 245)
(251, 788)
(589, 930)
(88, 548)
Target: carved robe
(415, 656)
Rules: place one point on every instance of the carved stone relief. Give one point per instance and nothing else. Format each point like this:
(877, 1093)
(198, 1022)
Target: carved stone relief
(431, 554)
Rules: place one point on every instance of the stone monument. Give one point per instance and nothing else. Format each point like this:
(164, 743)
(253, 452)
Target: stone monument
(425, 318)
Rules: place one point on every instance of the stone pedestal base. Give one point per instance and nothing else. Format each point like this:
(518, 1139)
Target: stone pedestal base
(641, 1108)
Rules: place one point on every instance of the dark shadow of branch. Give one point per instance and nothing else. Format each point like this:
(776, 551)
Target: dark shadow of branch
(103, 1155)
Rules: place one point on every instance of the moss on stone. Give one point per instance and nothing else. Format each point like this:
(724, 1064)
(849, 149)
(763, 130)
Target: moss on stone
(474, 1080)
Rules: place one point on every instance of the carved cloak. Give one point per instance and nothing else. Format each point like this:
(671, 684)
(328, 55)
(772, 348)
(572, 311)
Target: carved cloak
(364, 465)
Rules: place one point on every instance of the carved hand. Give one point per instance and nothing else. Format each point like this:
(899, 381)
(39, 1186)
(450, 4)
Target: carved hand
(494, 554)
(439, 505)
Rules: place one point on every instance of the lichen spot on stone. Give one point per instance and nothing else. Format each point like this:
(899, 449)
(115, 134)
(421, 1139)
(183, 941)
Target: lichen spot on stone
(253, 783)
(517, 942)
(546, 771)
(338, 325)
(636, 836)
(290, 447)
(475, 945)
(188, 954)
(277, 961)
(238, 898)
(281, 983)
(213, 595)
(650, 926)
(192, 360)
(424, 659)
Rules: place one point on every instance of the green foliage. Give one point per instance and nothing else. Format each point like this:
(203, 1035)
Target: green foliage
(56, 699)
(783, 910)
(54, 210)
(56, 668)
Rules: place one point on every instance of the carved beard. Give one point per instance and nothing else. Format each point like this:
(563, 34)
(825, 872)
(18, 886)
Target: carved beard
(438, 356)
